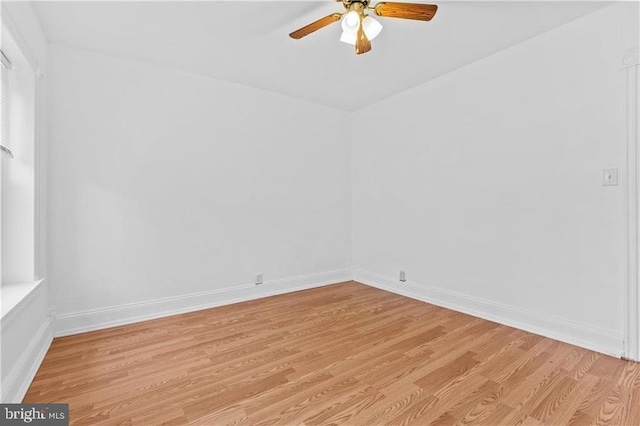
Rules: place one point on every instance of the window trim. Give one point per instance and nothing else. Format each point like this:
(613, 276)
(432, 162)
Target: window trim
(6, 64)
(33, 63)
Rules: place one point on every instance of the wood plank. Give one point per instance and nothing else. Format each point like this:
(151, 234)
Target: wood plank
(340, 354)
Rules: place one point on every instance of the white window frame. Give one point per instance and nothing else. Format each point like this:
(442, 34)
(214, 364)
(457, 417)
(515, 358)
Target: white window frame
(32, 66)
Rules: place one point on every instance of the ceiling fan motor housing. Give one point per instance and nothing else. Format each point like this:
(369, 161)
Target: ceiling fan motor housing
(356, 5)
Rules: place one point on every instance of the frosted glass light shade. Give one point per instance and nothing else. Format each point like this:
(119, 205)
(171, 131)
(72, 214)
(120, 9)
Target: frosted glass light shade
(349, 38)
(371, 27)
(351, 22)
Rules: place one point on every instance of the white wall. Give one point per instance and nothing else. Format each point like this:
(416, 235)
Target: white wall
(165, 184)
(25, 331)
(484, 185)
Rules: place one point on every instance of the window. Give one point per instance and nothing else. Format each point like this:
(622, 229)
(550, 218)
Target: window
(17, 181)
(4, 105)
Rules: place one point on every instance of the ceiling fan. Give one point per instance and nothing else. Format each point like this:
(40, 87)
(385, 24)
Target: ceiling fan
(358, 28)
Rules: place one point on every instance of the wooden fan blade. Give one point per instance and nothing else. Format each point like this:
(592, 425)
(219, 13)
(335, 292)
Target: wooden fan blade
(315, 26)
(363, 45)
(419, 12)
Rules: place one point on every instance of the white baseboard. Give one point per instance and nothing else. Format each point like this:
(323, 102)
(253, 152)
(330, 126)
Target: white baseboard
(17, 383)
(555, 328)
(97, 319)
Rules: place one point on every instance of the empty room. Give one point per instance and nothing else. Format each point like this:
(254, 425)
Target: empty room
(351, 212)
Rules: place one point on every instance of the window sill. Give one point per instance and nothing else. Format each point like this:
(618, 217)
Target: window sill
(14, 294)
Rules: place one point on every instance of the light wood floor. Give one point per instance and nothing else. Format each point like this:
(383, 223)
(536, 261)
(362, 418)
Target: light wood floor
(343, 354)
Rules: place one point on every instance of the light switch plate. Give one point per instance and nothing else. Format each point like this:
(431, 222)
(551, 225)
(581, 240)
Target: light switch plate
(609, 177)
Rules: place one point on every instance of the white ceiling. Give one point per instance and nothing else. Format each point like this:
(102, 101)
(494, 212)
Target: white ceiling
(247, 42)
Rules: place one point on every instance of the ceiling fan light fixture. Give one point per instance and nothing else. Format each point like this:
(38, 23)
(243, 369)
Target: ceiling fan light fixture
(371, 27)
(351, 22)
(349, 38)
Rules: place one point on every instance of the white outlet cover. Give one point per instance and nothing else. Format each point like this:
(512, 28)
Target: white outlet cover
(610, 177)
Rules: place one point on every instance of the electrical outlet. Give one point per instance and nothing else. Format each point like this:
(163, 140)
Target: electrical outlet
(403, 277)
(258, 279)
